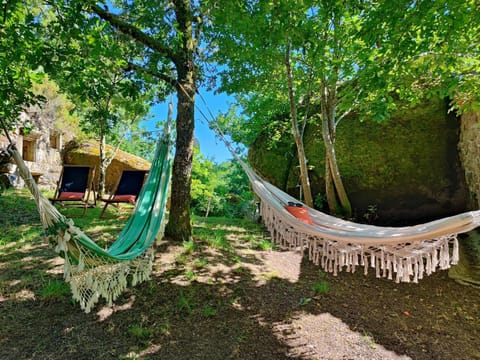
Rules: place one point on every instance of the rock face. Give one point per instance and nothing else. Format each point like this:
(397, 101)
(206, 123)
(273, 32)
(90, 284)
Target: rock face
(470, 154)
(468, 270)
(88, 154)
(403, 171)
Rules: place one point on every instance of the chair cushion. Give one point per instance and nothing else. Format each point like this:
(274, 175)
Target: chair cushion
(125, 198)
(66, 195)
(301, 213)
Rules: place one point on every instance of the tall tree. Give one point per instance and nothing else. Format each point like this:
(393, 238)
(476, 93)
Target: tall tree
(430, 47)
(279, 52)
(109, 96)
(351, 55)
(258, 43)
(170, 39)
(166, 35)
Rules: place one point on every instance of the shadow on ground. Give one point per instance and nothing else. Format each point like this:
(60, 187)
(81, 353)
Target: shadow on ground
(234, 302)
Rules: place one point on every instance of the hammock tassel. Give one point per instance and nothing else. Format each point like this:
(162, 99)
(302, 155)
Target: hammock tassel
(455, 255)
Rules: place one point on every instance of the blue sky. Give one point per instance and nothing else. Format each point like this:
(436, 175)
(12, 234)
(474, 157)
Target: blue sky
(210, 146)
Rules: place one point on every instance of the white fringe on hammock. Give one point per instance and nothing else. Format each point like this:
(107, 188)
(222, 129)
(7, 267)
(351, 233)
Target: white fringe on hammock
(401, 253)
(94, 276)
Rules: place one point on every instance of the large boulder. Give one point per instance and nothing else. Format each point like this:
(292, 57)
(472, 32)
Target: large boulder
(470, 154)
(468, 269)
(406, 170)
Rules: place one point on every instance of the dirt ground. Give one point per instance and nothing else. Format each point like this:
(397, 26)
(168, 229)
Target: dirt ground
(236, 303)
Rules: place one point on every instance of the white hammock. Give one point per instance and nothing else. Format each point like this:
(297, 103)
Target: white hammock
(409, 252)
(335, 244)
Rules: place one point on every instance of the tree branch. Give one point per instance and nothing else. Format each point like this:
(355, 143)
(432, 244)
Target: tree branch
(133, 31)
(348, 111)
(169, 80)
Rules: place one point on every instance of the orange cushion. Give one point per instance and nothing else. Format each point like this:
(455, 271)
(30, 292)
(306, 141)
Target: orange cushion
(125, 198)
(71, 195)
(300, 213)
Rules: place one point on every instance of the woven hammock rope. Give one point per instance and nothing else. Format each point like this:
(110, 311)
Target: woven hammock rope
(401, 253)
(91, 271)
(408, 253)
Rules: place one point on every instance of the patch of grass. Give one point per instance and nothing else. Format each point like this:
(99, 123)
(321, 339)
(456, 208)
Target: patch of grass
(200, 263)
(219, 240)
(55, 290)
(182, 259)
(270, 275)
(265, 245)
(209, 311)
(140, 332)
(184, 303)
(304, 301)
(214, 231)
(20, 220)
(234, 258)
(189, 247)
(164, 328)
(190, 275)
(320, 287)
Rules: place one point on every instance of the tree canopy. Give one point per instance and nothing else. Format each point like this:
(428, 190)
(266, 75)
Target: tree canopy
(342, 57)
(289, 63)
(23, 55)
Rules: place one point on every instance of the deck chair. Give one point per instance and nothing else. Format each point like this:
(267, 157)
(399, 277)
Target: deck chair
(75, 186)
(127, 190)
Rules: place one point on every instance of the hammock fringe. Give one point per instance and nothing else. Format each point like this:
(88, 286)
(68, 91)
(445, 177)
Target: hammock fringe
(107, 281)
(402, 262)
(92, 271)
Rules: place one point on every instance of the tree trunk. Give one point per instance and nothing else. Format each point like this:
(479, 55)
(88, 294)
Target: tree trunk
(102, 168)
(297, 135)
(346, 207)
(179, 227)
(330, 189)
(208, 206)
(328, 134)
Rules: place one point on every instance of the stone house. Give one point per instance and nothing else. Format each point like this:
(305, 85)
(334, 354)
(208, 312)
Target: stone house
(40, 144)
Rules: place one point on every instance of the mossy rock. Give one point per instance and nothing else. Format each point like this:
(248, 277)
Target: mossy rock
(406, 168)
(468, 269)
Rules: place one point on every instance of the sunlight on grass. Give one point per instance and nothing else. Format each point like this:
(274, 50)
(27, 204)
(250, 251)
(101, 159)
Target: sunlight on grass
(270, 275)
(264, 245)
(20, 222)
(188, 247)
(190, 275)
(200, 263)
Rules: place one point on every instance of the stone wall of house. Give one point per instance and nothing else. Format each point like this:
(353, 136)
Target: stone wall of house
(469, 148)
(40, 147)
(44, 152)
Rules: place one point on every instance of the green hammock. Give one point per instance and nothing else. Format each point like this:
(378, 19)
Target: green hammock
(92, 271)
